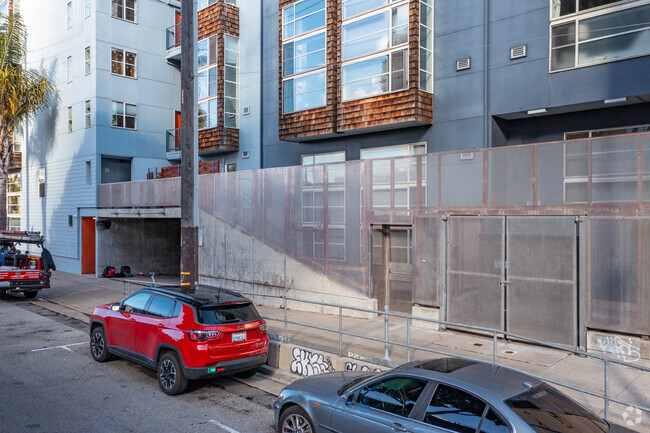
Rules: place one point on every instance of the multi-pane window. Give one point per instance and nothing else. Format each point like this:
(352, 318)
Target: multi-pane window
(68, 15)
(207, 83)
(87, 60)
(86, 8)
(123, 63)
(303, 55)
(231, 82)
(376, 75)
(68, 69)
(124, 10)
(69, 119)
(124, 115)
(589, 32)
(426, 45)
(41, 182)
(19, 137)
(13, 201)
(87, 114)
(205, 3)
(374, 49)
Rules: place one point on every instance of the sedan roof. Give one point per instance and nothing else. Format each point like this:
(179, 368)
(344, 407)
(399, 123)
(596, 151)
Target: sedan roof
(499, 381)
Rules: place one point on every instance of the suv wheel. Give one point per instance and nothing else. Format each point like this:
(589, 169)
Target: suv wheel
(295, 420)
(171, 379)
(98, 347)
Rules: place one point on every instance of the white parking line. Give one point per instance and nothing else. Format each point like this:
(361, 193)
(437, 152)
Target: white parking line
(225, 427)
(65, 347)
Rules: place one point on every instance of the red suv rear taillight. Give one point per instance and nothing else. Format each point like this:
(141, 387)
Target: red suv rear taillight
(203, 335)
(262, 327)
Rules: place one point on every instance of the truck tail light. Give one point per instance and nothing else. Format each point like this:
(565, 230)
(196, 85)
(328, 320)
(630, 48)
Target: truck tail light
(201, 336)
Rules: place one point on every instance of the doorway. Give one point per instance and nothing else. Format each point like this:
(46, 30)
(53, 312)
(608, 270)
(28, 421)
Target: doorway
(88, 245)
(392, 267)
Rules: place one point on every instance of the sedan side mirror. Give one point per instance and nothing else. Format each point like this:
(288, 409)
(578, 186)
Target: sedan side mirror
(115, 306)
(349, 400)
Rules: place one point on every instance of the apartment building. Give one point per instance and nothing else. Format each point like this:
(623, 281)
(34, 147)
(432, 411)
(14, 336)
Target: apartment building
(115, 96)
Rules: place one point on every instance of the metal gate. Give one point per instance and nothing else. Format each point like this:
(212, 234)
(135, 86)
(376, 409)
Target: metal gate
(517, 274)
(392, 267)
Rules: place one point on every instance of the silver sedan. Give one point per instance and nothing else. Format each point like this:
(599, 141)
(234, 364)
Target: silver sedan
(442, 395)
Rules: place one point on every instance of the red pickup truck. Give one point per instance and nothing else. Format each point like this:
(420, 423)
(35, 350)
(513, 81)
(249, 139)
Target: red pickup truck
(24, 271)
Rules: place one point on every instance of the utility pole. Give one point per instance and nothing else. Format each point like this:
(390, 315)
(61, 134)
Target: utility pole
(189, 150)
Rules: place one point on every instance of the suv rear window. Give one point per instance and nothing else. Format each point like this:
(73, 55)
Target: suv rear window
(545, 409)
(226, 314)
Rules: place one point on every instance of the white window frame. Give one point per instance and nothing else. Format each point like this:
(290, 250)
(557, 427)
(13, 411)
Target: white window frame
(424, 71)
(389, 73)
(87, 114)
(124, 64)
(293, 5)
(124, 104)
(18, 137)
(123, 17)
(298, 76)
(68, 15)
(577, 17)
(14, 179)
(4, 7)
(386, 8)
(87, 60)
(69, 116)
(41, 182)
(298, 39)
(227, 114)
(87, 9)
(68, 69)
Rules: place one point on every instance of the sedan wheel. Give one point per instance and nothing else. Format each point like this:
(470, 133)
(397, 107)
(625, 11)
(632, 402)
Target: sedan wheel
(295, 420)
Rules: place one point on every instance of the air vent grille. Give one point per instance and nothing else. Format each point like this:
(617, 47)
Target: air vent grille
(518, 52)
(463, 64)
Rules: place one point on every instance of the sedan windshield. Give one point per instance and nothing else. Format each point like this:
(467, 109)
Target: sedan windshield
(547, 410)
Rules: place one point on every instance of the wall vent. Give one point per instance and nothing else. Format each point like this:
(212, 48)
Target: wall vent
(245, 154)
(517, 52)
(463, 64)
(246, 111)
(466, 156)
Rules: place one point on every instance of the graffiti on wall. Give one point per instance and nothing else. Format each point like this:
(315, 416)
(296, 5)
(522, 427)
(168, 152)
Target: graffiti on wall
(352, 366)
(306, 363)
(624, 349)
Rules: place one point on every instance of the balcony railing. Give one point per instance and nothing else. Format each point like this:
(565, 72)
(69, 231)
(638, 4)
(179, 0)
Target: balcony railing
(174, 140)
(174, 36)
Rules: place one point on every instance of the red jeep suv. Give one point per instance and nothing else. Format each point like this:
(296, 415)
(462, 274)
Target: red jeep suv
(209, 333)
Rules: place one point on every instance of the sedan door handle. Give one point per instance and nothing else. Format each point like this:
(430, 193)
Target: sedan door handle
(399, 427)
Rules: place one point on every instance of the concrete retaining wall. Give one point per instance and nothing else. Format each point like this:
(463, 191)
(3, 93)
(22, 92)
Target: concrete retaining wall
(234, 260)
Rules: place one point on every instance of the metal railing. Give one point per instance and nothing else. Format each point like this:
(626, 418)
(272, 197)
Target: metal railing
(496, 335)
(173, 36)
(174, 140)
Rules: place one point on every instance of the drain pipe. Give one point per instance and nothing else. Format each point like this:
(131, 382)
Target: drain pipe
(261, 81)
(486, 49)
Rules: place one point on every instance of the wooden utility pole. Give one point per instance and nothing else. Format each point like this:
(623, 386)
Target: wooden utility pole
(189, 150)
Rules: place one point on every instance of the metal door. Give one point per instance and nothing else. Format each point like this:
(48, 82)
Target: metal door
(517, 274)
(392, 267)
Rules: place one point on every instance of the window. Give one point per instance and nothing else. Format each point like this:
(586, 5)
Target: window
(385, 31)
(454, 410)
(304, 92)
(376, 75)
(41, 182)
(124, 115)
(231, 167)
(231, 82)
(13, 201)
(302, 17)
(68, 15)
(426, 45)
(89, 172)
(87, 60)
(69, 119)
(124, 10)
(86, 8)
(396, 395)
(136, 303)
(123, 63)
(597, 35)
(493, 423)
(545, 409)
(304, 56)
(68, 69)
(207, 83)
(4, 7)
(19, 137)
(323, 158)
(161, 306)
(205, 3)
(87, 114)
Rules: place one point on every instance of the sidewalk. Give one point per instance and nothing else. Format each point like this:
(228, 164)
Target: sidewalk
(76, 296)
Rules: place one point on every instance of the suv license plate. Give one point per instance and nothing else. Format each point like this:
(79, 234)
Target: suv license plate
(238, 336)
